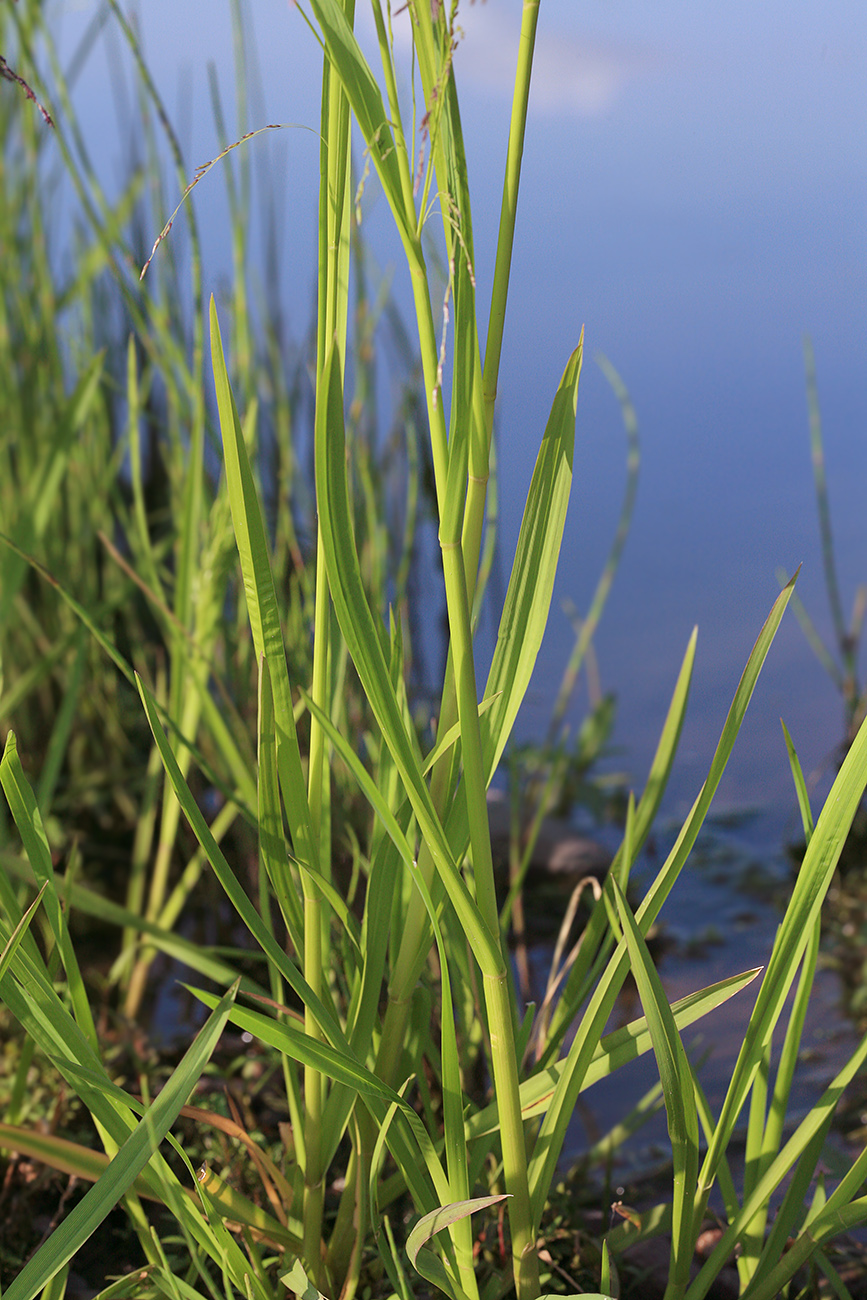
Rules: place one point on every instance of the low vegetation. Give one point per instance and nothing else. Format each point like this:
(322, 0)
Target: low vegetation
(212, 669)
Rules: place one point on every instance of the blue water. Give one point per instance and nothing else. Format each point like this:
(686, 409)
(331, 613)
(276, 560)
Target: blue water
(695, 194)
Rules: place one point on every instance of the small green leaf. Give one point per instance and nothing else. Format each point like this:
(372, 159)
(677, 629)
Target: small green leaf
(11, 946)
(443, 1217)
(425, 1261)
(298, 1282)
(130, 1160)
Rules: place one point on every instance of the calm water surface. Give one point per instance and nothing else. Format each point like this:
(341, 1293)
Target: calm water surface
(695, 194)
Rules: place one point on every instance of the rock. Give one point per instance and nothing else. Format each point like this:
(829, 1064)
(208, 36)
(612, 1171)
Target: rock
(559, 852)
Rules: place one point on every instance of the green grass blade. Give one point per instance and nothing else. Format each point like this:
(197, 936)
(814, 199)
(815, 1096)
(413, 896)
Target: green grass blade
(365, 781)
(83, 1220)
(676, 1078)
(445, 1216)
(612, 1052)
(596, 936)
(261, 597)
(606, 579)
(324, 1014)
(800, 784)
(366, 642)
(342, 1067)
(272, 846)
(22, 802)
(451, 1082)
(553, 1130)
(813, 1127)
(789, 1055)
(11, 946)
(366, 101)
(528, 597)
(820, 861)
(817, 453)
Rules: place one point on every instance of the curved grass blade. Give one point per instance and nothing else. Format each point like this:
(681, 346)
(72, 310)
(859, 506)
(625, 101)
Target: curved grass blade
(451, 1083)
(365, 640)
(126, 1165)
(800, 784)
(831, 1223)
(365, 99)
(552, 1133)
(261, 597)
(297, 1281)
(343, 1068)
(606, 578)
(423, 1260)
(11, 946)
(676, 1078)
(593, 946)
(810, 1128)
(324, 1014)
(793, 936)
(234, 1207)
(528, 597)
(22, 803)
(108, 647)
(613, 1052)
(272, 845)
(32, 999)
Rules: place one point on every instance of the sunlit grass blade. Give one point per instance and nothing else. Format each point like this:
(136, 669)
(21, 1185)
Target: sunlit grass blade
(808, 1137)
(366, 645)
(648, 806)
(22, 802)
(430, 1224)
(367, 106)
(11, 946)
(223, 1200)
(413, 1158)
(126, 1165)
(613, 1051)
(814, 877)
(44, 486)
(261, 597)
(452, 1091)
(248, 914)
(800, 784)
(65, 1156)
(606, 579)
(680, 1106)
(272, 846)
(817, 452)
(771, 1131)
(553, 1129)
(528, 597)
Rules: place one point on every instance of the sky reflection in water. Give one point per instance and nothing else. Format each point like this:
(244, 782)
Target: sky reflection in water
(695, 193)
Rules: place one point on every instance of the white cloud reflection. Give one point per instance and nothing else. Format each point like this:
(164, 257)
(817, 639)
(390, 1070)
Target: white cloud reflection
(572, 75)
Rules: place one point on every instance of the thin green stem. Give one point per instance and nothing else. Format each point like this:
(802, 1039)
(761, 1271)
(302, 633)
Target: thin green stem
(497, 990)
(314, 1094)
(509, 206)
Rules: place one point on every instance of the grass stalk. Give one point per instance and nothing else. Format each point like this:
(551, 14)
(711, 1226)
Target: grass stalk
(509, 206)
(315, 632)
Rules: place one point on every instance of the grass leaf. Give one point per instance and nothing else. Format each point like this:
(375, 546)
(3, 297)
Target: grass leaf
(126, 1165)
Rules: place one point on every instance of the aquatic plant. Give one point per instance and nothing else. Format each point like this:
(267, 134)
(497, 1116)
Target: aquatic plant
(390, 1002)
(843, 670)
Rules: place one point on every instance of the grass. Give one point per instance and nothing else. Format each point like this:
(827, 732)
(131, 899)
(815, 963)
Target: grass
(270, 654)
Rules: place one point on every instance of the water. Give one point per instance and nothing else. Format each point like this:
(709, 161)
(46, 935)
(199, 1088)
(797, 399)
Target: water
(695, 193)
(720, 919)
